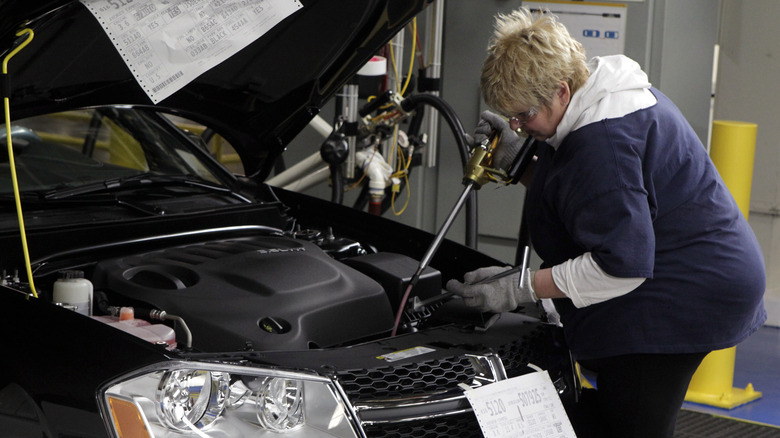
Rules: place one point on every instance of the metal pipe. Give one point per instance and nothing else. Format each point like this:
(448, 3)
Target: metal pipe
(321, 126)
(299, 170)
(432, 250)
(444, 228)
(394, 84)
(349, 110)
(163, 315)
(310, 180)
(519, 268)
(434, 32)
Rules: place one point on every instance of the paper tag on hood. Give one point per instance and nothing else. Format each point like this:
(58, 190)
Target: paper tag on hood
(167, 44)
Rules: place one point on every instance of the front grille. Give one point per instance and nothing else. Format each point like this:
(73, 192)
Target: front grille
(457, 426)
(389, 398)
(536, 347)
(437, 375)
(406, 380)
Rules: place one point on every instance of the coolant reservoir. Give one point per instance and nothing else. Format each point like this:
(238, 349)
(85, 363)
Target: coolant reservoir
(154, 333)
(72, 289)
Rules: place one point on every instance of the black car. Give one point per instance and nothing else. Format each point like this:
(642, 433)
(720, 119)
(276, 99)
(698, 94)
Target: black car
(148, 291)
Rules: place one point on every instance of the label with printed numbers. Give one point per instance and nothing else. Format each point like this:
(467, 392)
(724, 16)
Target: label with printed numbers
(166, 44)
(523, 406)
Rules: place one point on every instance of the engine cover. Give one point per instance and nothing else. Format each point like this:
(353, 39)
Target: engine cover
(274, 292)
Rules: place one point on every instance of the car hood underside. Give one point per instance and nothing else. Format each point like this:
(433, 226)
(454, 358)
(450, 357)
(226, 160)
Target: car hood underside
(261, 97)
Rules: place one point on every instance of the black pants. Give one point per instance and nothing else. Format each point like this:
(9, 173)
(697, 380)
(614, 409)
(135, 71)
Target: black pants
(638, 395)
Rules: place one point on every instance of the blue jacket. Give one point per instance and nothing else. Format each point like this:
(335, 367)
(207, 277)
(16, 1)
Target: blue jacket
(642, 195)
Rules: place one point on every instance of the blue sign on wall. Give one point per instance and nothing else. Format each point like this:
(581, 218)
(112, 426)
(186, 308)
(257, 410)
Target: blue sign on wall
(590, 33)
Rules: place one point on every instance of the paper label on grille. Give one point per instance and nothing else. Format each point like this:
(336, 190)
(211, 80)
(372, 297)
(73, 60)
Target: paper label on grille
(404, 354)
(526, 405)
(166, 44)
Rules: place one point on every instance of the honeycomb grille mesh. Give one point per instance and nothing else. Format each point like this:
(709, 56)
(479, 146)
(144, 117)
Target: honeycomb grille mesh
(516, 355)
(429, 377)
(454, 426)
(406, 380)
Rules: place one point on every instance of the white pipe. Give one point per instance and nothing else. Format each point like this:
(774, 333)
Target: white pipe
(321, 126)
(298, 171)
(376, 169)
(312, 179)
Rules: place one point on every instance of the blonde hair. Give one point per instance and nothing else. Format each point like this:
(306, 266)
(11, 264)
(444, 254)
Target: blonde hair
(527, 58)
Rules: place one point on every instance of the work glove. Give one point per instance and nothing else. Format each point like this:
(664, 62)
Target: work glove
(509, 143)
(501, 295)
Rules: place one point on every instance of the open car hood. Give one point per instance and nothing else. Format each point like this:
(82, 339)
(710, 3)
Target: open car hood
(259, 99)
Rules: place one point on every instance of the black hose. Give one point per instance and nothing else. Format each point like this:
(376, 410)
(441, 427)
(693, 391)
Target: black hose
(362, 199)
(456, 127)
(449, 116)
(375, 104)
(334, 151)
(416, 123)
(337, 184)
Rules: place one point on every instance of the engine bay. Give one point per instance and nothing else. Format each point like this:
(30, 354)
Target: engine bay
(253, 290)
(266, 291)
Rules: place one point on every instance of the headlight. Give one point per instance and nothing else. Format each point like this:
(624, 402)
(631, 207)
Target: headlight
(281, 404)
(189, 399)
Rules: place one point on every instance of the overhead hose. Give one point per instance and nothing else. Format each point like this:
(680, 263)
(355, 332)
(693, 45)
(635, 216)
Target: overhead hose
(416, 123)
(456, 127)
(6, 90)
(362, 198)
(337, 184)
(334, 151)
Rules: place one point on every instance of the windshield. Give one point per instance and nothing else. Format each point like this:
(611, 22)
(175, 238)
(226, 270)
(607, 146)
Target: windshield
(87, 147)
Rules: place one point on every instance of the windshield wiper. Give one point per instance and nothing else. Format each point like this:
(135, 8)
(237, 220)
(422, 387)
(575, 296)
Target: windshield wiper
(135, 181)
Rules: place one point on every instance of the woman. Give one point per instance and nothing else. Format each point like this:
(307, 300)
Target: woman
(645, 253)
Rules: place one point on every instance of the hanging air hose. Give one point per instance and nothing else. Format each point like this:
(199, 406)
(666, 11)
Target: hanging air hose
(412, 102)
(407, 106)
(6, 90)
(334, 151)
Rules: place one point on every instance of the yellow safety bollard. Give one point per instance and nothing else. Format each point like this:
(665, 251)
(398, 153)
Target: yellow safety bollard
(733, 151)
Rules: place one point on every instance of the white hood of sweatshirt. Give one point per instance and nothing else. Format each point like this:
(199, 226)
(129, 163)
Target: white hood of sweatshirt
(617, 86)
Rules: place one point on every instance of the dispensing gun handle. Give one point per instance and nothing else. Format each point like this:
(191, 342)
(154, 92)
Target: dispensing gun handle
(478, 168)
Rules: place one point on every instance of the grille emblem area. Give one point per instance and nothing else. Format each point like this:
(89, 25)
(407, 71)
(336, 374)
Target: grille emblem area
(487, 369)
